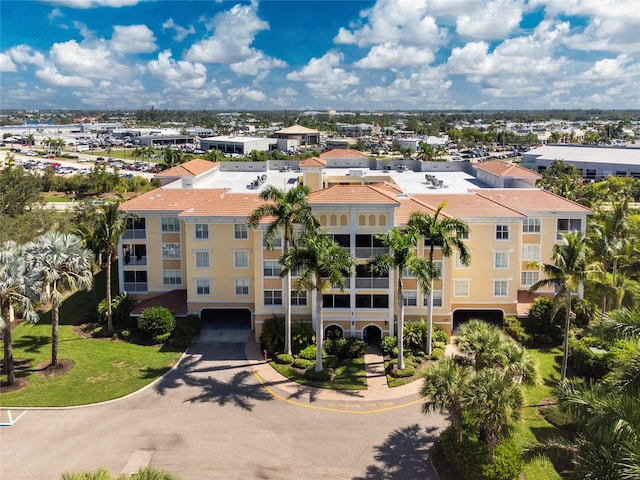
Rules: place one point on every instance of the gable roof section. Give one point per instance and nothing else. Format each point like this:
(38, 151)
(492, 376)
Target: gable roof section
(343, 153)
(353, 195)
(532, 200)
(296, 129)
(225, 204)
(170, 199)
(504, 169)
(175, 300)
(313, 162)
(192, 168)
(409, 205)
(468, 205)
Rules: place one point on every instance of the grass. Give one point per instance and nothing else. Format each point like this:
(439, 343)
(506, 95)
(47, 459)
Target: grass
(54, 198)
(103, 369)
(349, 375)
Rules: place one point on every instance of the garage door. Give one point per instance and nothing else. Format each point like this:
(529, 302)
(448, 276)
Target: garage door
(226, 318)
(494, 317)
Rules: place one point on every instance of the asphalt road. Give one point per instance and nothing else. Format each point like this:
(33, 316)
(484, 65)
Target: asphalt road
(212, 418)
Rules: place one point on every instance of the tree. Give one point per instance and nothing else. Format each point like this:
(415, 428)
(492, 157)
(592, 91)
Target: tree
(110, 224)
(18, 286)
(322, 263)
(401, 256)
(444, 386)
(61, 263)
(214, 155)
(566, 274)
(287, 209)
(561, 178)
(448, 234)
(19, 190)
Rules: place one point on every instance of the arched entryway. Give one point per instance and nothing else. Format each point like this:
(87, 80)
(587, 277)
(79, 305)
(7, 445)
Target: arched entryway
(372, 334)
(333, 332)
(493, 316)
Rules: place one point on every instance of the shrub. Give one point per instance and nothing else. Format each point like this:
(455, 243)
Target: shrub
(408, 370)
(330, 361)
(507, 464)
(441, 345)
(516, 330)
(284, 359)
(186, 330)
(335, 347)
(437, 353)
(585, 311)
(272, 336)
(557, 418)
(159, 322)
(302, 335)
(303, 363)
(388, 344)
(415, 334)
(356, 347)
(439, 335)
(308, 353)
(121, 307)
(321, 376)
(546, 321)
(586, 363)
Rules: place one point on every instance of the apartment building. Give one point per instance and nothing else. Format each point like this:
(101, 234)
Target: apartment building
(190, 246)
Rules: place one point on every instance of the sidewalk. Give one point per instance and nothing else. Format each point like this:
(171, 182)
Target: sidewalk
(377, 388)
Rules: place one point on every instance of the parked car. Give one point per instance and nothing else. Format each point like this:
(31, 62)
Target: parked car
(50, 155)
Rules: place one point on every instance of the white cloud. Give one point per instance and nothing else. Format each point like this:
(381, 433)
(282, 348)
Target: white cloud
(178, 74)
(133, 39)
(6, 64)
(323, 76)
(55, 13)
(93, 60)
(93, 3)
(609, 70)
(426, 87)
(237, 94)
(181, 32)
(25, 55)
(51, 75)
(389, 55)
(492, 20)
(257, 65)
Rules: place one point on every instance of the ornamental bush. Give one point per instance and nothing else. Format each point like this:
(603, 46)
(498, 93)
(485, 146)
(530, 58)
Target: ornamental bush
(186, 330)
(308, 353)
(356, 347)
(303, 363)
(388, 344)
(284, 359)
(159, 322)
(272, 336)
(321, 376)
(336, 347)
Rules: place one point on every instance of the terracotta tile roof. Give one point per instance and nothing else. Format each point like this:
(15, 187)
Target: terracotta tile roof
(225, 204)
(409, 205)
(313, 162)
(353, 194)
(343, 153)
(467, 205)
(170, 199)
(296, 129)
(175, 300)
(504, 169)
(532, 200)
(192, 168)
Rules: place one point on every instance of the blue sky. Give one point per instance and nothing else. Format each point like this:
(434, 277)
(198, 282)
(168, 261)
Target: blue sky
(308, 54)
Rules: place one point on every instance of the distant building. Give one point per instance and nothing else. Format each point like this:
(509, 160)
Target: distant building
(234, 145)
(304, 135)
(501, 174)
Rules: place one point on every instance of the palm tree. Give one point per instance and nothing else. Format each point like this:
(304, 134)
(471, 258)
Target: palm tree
(18, 286)
(495, 402)
(110, 224)
(566, 274)
(444, 386)
(214, 155)
(61, 262)
(401, 245)
(286, 209)
(447, 234)
(321, 263)
(482, 342)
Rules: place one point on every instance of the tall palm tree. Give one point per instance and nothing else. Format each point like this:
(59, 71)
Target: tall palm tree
(401, 245)
(566, 274)
(18, 286)
(444, 386)
(110, 224)
(495, 402)
(447, 234)
(482, 342)
(62, 263)
(286, 209)
(321, 263)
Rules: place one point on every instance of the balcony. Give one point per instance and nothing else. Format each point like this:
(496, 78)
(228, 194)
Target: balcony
(372, 282)
(368, 252)
(134, 235)
(135, 261)
(135, 287)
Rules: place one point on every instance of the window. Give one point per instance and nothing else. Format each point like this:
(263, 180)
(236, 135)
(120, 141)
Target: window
(366, 278)
(529, 278)
(242, 286)
(241, 259)
(336, 301)
(298, 298)
(202, 231)
(135, 229)
(500, 260)
(170, 225)
(437, 298)
(410, 298)
(500, 288)
(531, 225)
(135, 281)
(372, 301)
(566, 225)
(277, 241)
(240, 231)
(172, 277)
(202, 259)
(531, 253)
(271, 268)
(273, 297)
(438, 264)
(462, 235)
(368, 246)
(344, 240)
(502, 232)
(461, 288)
(170, 250)
(458, 261)
(203, 286)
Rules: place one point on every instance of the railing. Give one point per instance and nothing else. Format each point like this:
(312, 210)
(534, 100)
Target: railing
(135, 261)
(372, 282)
(366, 252)
(135, 287)
(347, 283)
(134, 234)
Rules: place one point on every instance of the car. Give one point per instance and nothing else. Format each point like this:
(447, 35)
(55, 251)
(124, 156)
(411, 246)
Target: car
(50, 155)
(31, 153)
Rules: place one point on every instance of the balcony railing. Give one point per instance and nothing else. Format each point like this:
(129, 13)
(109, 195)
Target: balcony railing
(347, 283)
(367, 252)
(134, 234)
(135, 287)
(372, 282)
(135, 261)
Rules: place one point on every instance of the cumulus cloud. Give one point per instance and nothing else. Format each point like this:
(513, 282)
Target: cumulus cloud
(180, 32)
(87, 60)
(51, 75)
(323, 76)
(492, 20)
(390, 55)
(428, 86)
(6, 64)
(26, 55)
(246, 93)
(178, 74)
(133, 39)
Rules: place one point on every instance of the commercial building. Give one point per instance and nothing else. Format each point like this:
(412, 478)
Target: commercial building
(190, 244)
(237, 145)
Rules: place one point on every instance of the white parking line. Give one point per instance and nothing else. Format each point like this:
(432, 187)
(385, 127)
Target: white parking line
(10, 418)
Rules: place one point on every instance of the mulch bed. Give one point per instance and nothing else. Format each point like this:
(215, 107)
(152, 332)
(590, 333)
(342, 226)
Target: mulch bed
(47, 370)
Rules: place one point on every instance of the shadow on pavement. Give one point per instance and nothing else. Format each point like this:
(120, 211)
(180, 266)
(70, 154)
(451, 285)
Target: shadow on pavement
(237, 392)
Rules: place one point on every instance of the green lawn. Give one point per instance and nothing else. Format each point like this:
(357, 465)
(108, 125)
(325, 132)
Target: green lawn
(54, 198)
(350, 375)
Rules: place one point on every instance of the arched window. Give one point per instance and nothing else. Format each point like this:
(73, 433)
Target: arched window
(372, 220)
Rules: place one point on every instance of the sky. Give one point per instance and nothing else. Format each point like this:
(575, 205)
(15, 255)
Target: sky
(319, 55)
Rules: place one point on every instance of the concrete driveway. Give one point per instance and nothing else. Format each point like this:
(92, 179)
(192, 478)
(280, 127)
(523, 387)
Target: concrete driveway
(215, 417)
